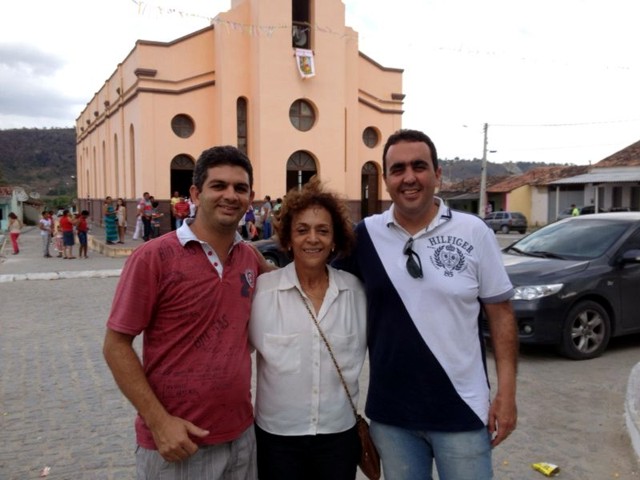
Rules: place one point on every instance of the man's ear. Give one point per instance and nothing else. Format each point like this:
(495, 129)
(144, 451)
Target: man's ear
(194, 194)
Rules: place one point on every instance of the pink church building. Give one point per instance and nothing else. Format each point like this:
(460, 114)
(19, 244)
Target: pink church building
(283, 80)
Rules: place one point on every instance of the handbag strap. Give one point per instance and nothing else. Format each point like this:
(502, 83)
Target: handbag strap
(333, 358)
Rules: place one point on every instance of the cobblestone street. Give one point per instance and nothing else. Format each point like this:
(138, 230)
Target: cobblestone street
(60, 408)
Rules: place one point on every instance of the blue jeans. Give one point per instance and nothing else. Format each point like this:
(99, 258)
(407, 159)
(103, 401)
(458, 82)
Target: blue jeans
(409, 454)
(266, 230)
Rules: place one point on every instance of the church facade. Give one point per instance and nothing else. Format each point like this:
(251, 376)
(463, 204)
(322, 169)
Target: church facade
(283, 80)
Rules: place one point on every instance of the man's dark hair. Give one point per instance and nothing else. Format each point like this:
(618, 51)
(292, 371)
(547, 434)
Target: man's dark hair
(406, 135)
(217, 156)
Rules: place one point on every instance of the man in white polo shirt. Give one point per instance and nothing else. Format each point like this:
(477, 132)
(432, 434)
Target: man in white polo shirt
(427, 272)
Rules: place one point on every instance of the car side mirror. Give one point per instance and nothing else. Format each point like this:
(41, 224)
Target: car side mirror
(630, 256)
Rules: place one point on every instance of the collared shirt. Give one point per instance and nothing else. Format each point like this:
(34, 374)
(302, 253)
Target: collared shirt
(194, 321)
(298, 388)
(425, 347)
(185, 235)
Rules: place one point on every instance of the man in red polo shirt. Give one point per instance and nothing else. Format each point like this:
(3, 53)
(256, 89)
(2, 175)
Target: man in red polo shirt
(189, 292)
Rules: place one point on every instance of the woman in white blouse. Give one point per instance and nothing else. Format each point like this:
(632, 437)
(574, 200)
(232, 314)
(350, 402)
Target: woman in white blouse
(305, 426)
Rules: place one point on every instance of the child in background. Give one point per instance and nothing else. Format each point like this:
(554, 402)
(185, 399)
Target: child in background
(155, 219)
(82, 228)
(58, 242)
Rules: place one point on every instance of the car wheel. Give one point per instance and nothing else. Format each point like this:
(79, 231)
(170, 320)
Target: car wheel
(522, 232)
(504, 228)
(586, 331)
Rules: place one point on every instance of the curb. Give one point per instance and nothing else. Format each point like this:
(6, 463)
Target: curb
(98, 245)
(17, 277)
(632, 408)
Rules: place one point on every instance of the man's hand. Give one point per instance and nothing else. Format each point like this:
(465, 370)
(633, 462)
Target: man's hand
(503, 416)
(172, 438)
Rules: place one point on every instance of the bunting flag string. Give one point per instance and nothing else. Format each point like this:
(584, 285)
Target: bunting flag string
(145, 8)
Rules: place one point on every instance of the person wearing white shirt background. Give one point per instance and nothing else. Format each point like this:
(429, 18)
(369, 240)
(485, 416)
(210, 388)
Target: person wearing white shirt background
(305, 426)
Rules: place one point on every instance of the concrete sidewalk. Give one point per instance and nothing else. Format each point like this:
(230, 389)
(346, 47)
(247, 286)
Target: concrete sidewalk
(30, 264)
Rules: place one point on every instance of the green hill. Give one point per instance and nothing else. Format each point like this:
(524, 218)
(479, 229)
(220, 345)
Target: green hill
(40, 160)
(44, 161)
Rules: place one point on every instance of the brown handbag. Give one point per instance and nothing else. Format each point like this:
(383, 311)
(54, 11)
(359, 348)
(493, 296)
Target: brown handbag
(369, 458)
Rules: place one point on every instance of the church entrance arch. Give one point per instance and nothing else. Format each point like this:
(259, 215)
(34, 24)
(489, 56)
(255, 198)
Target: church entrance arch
(301, 166)
(370, 190)
(181, 174)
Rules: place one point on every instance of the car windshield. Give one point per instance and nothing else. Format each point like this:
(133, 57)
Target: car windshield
(571, 240)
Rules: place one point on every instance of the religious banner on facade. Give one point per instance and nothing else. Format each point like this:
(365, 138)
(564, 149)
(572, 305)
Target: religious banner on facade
(304, 61)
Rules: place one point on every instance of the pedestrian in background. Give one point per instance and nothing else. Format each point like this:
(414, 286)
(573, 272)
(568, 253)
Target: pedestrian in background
(265, 215)
(575, 211)
(82, 229)
(44, 224)
(428, 271)
(14, 228)
(121, 219)
(110, 221)
(67, 223)
(180, 211)
(175, 198)
(138, 231)
(156, 215)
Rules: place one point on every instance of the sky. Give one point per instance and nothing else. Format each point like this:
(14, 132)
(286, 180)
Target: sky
(555, 81)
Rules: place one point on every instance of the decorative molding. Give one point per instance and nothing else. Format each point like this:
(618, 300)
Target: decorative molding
(381, 110)
(145, 72)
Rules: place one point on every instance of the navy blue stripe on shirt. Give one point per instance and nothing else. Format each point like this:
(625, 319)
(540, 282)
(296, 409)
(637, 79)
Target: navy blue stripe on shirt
(408, 387)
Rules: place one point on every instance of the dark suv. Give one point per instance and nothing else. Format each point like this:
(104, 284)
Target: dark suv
(505, 222)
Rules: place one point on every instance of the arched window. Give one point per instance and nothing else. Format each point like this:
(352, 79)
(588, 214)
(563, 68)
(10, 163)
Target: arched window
(301, 24)
(369, 195)
(300, 168)
(241, 115)
(181, 174)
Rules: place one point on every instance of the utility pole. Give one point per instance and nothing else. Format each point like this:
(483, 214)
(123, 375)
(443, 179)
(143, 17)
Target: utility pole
(483, 176)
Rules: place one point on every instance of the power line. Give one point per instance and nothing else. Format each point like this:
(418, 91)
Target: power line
(575, 124)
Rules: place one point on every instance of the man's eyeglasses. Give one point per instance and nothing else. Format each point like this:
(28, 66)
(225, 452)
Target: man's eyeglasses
(414, 264)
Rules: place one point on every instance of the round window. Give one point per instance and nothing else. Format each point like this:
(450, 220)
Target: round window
(182, 125)
(302, 115)
(370, 137)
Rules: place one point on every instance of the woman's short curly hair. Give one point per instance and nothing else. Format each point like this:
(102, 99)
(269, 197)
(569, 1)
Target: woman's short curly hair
(313, 194)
